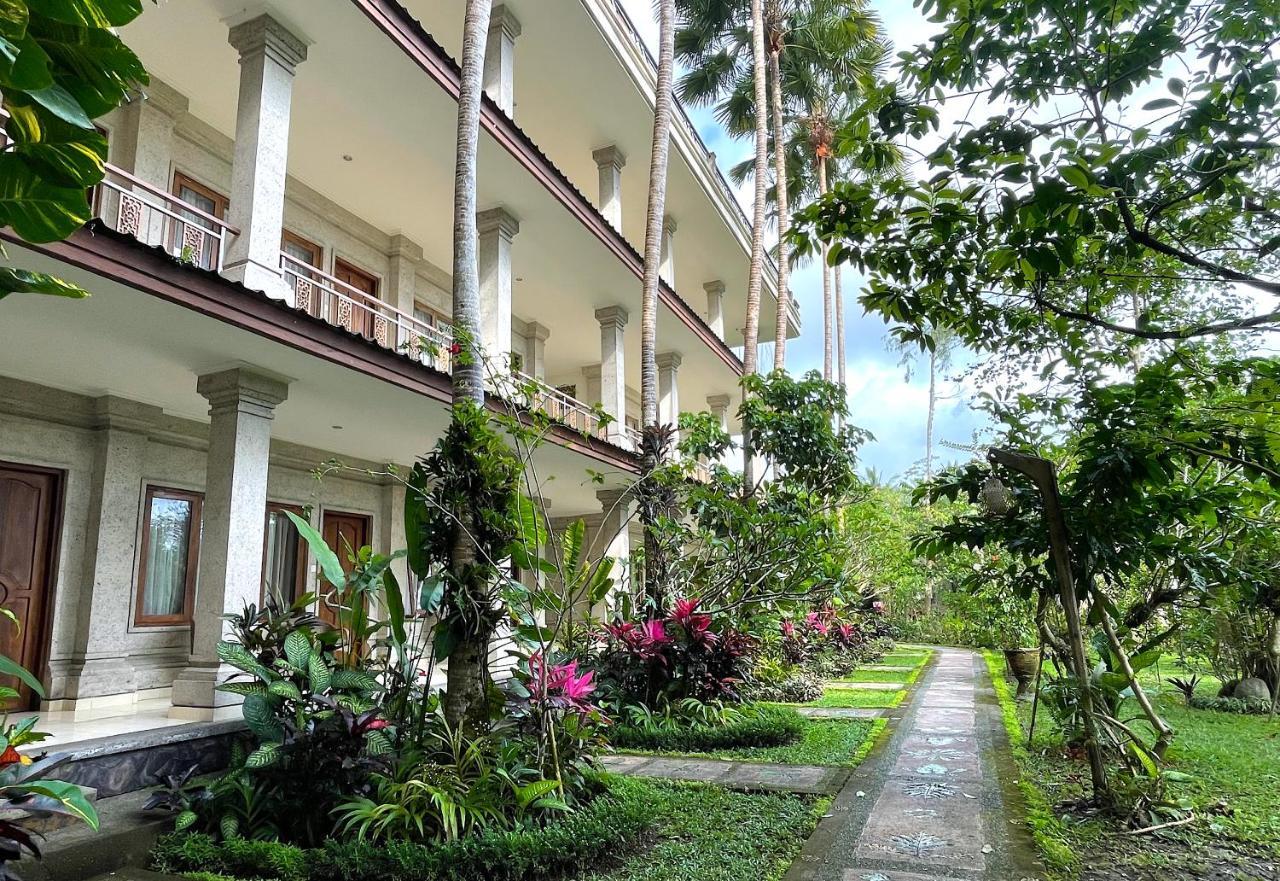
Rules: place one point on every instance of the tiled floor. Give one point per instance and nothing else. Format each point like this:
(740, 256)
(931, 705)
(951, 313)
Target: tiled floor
(66, 730)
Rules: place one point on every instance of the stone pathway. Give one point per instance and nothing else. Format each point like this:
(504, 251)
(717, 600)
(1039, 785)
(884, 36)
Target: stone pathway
(849, 685)
(813, 779)
(843, 712)
(929, 805)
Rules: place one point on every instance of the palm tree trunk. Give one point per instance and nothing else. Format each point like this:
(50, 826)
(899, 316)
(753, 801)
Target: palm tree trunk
(653, 220)
(468, 370)
(928, 423)
(841, 370)
(751, 333)
(467, 669)
(784, 211)
(827, 302)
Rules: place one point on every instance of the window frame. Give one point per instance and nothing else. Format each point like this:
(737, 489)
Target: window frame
(196, 500)
(300, 577)
(220, 202)
(289, 237)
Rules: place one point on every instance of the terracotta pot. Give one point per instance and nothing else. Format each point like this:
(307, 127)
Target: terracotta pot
(1023, 664)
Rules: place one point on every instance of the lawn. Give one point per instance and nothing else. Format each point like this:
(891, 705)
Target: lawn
(858, 698)
(843, 742)
(903, 676)
(901, 658)
(1234, 763)
(712, 834)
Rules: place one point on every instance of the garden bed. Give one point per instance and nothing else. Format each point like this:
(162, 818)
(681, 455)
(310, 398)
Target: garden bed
(1233, 761)
(837, 742)
(637, 830)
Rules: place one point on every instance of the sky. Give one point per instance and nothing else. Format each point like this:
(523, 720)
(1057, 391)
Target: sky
(882, 399)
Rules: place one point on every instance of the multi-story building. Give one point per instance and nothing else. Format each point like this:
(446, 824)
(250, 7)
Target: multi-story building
(271, 292)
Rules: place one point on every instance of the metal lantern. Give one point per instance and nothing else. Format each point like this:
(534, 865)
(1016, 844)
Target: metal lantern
(995, 496)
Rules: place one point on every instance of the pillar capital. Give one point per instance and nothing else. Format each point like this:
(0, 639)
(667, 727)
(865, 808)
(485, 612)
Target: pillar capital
(610, 157)
(121, 414)
(668, 224)
(612, 316)
(405, 248)
(669, 360)
(503, 22)
(718, 402)
(615, 498)
(244, 390)
(536, 331)
(265, 35)
(498, 220)
(714, 288)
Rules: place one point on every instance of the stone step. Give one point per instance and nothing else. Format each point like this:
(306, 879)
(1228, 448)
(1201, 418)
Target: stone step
(745, 776)
(843, 712)
(124, 838)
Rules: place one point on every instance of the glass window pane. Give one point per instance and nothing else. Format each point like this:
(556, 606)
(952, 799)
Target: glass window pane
(168, 543)
(282, 557)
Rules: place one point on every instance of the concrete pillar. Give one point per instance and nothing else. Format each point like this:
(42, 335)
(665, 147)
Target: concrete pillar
(269, 54)
(497, 228)
(142, 144)
(96, 680)
(719, 407)
(668, 390)
(617, 508)
(613, 374)
(402, 275)
(241, 406)
(500, 59)
(667, 264)
(715, 306)
(610, 161)
(535, 349)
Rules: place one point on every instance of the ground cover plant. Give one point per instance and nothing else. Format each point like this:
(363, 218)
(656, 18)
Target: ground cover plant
(855, 698)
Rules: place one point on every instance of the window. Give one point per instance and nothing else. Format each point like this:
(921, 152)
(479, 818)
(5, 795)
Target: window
(192, 241)
(170, 551)
(357, 282)
(301, 250)
(283, 557)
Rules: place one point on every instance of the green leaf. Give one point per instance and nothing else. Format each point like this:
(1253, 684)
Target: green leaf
(353, 680)
(229, 826)
(241, 658)
(91, 65)
(571, 546)
(265, 755)
(393, 599)
(1160, 104)
(532, 525)
(37, 210)
(23, 66)
(601, 581)
(259, 715)
(61, 104)
(61, 154)
(377, 744)
(185, 820)
(92, 13)
(14, 16)
(531, 792)
(297, 649)
(330, 566)
(10, 667)
(1076, 176)
(285, 689)
(243, 689)
(318, 673)
(73, 798)
(446, 640)
(431, 594)
(22, 281)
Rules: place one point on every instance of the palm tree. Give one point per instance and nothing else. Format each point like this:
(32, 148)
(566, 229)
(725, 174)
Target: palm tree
(755, 278)
(468, 662)
(662, 107)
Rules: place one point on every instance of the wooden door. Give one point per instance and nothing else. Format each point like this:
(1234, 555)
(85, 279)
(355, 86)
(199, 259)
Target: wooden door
(345, 534)
(28, 534)
(363, 290)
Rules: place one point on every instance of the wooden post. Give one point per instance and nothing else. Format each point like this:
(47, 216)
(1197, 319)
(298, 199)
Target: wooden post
(1042, 472)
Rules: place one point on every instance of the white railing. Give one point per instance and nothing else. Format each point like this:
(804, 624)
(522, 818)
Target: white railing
(324, 296)
(534, 393)
(136, 208)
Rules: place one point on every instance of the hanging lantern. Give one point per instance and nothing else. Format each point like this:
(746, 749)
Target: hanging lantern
(995, 496)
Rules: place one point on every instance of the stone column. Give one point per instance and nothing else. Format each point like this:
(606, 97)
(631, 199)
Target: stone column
(535, 351)
(500, 59)
(613, 374)
(667, 264)
(241, 406)
(719, 407)
(269, 54)
(402, 285)
(715, 306)
(142, 144)
(610, 161)
(617, 507)
(497, 228)
(97, 667)
(668, 390)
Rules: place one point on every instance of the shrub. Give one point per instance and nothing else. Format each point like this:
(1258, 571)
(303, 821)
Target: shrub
(799, 686)
(753, 726)
(1231, 705)
(609, 823)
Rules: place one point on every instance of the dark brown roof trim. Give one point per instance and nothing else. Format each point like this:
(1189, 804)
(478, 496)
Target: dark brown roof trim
(414, 40)
(101, 250)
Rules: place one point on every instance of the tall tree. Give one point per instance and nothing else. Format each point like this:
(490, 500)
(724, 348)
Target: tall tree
(940, 349)
(776, 23)
(755, 277)
(655, 211)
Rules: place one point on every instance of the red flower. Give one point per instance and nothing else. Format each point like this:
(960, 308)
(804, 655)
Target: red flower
(455, 349)
(788, 628)
(697, 626)
(376, 724)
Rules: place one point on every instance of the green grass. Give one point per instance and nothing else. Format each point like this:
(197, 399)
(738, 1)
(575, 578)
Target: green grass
(902, 677)
(1231, 758)
(841, 742)
(904, 659)
(713, 834)
(858, 698)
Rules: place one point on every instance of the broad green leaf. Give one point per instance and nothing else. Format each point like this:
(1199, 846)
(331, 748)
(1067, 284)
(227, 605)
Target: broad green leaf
(39, 211)
(393, 599)
(601, 581)
(243, 688)
(92, 13)
(14, 15)
(297, 649)
(10, 667)
(241, 658)
(319, 674)
(431, 594)
(22, 281)
(330, 566)
(61, 104)
(265, 755)
(23, 66)
(61, 154)
(73, 798)
(353, 680)
(184, 820)
(93, 66)
(532, 525)
(285, 689)
(260, 716)
(571, 546)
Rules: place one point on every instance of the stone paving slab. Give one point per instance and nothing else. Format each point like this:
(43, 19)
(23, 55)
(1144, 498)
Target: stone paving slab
(889, 668)
(890, 875)
(809, 779)
(964, 768)
(842, 712)
(865, 686)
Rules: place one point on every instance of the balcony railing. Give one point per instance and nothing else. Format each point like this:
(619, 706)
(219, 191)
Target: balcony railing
(136, 208)
(535, 394)
(333, 300)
